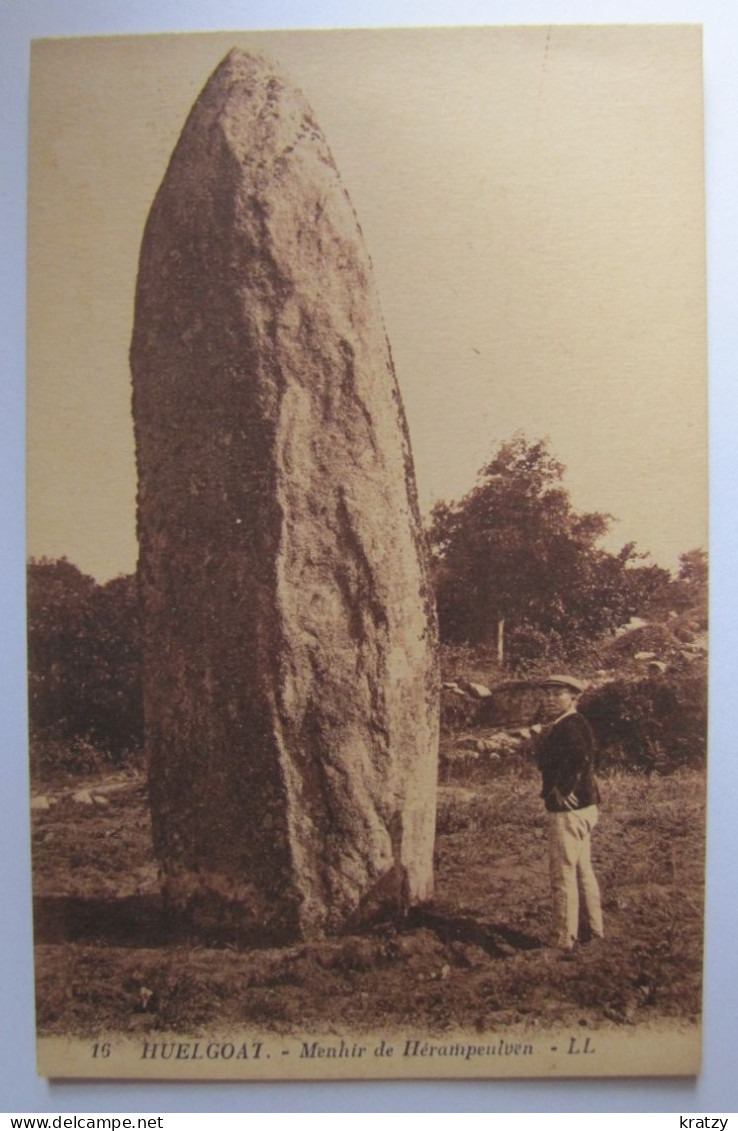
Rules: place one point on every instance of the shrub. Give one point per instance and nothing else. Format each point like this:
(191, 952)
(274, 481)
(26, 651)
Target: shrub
(76, 757)
(657, 723)
(84, 663)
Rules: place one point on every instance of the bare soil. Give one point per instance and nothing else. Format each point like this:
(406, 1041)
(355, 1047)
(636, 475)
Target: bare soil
(474, 961)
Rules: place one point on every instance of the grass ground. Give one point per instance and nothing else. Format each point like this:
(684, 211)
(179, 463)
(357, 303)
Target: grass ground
(473, 962)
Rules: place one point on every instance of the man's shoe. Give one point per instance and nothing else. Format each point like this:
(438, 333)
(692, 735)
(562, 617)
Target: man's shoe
(569, 953)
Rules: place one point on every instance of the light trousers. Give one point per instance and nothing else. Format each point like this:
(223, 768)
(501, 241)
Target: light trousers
(572, 877)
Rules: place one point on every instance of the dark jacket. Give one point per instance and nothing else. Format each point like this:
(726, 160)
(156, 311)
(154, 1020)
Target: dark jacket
(566, 758)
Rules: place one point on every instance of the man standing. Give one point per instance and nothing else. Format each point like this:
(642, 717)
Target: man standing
(565, 754)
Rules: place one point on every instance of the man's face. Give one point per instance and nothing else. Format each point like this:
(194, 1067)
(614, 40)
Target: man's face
(556, 700)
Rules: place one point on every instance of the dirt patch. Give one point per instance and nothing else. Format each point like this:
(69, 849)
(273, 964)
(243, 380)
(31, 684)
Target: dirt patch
(474, 961)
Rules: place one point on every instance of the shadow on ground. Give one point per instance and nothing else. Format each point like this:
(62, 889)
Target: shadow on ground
(138, 920)
(142, 921)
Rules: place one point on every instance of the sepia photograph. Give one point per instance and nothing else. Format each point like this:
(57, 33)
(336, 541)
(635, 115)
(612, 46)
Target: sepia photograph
(367, 553)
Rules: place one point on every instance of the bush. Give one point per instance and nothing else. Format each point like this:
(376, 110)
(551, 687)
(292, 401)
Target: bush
(52, 759)
(458, 713)
(84, 663)
(657, 723)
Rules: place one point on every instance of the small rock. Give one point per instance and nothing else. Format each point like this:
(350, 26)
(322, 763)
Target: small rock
(145, 996)
(469, 955)
(477, 690)
(40, 803)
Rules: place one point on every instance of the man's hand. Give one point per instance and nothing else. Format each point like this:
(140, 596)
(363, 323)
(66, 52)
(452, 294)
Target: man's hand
(571, 801)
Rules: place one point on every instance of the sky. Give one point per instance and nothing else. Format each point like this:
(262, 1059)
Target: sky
(532, 199)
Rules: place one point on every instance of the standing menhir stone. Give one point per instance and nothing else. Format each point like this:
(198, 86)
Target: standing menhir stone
(290, 670)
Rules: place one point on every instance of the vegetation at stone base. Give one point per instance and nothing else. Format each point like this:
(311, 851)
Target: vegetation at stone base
(473, 963)
(515, 567)
(84, 665)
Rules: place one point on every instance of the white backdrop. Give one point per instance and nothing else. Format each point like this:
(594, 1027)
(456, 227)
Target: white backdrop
(717, 1088)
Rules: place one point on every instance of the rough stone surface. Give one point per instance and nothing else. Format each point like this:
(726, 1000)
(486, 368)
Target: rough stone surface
(290, 655)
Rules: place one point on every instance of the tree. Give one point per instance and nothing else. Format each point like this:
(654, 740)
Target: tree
(59, 598)
(691, 580)
(84, 657)
(614, 588)
(513, 555)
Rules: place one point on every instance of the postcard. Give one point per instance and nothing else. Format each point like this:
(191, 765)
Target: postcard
(367, 572)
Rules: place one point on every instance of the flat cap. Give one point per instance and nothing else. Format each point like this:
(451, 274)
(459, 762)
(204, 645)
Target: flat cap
(569, 681)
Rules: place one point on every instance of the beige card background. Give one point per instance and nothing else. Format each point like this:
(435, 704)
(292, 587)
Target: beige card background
(532, 199)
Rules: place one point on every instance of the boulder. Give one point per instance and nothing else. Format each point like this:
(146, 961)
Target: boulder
(290, 656)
